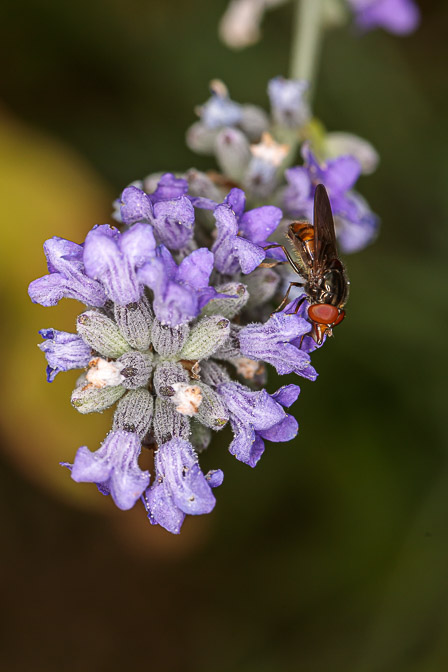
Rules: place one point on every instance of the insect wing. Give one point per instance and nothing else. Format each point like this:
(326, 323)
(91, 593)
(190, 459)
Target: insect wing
(325, 248)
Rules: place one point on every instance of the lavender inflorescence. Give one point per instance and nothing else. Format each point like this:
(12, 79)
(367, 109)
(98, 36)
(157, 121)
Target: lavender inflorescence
(178, 331)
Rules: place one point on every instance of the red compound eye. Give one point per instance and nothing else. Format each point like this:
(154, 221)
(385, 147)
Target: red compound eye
(324, 313)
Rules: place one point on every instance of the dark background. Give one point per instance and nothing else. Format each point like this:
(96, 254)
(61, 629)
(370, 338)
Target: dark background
(330, 556)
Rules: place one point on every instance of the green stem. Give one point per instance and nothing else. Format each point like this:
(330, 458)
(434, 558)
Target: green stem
(307, 32)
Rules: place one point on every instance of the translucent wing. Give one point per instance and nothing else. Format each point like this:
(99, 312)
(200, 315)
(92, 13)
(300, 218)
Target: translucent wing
(325, 248)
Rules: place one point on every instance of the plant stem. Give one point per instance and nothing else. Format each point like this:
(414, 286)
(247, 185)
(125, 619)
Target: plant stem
(307, 31)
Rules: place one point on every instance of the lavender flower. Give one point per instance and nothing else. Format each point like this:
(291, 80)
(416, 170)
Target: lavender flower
(172, 219)
(356, 225)
(272, 342)
(180, 292)
(242, 235)
(255, 416)
(396, 16)
(67, 277)
(113, 468)
(63, 352)
(180, 487)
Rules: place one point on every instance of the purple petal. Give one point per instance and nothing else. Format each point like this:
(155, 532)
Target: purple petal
(286, 430)
(236, 199)
(63, 352)
(249, 256)
(195, 269)
(174, 304)
(174, 221)
(67, 278)
(104, 261)
(258, 224)
(286, 395)
(138, 244)
(62, 254)
(246, 446)
(176, 462)
(397, 16)
(114, 467)
(169, 187)
(161, 509)
(339, 175)
(255, 409)
(214, 478)
(269, 342)
(135, 206)
(202, 203)
(297, 196)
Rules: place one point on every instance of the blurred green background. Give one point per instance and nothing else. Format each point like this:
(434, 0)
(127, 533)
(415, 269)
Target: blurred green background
(330, 556)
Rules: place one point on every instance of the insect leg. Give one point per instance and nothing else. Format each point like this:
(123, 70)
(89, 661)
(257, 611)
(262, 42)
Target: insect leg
(290, 259)
(271, 264)
(285, 298)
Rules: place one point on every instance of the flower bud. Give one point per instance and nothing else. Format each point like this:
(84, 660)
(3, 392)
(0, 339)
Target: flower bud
(90, 399)
(168, 340)
(206, 337)
(262, 285)
(231, 347)
(102, 334)
(231, 305)
(213, 374)
(200, 184)
(168, 423)
(254, 122)
(135, 321)
(201, 139)
(136, 369)
(134, 412)
(166, 375)
(212, 411)
(232, 153)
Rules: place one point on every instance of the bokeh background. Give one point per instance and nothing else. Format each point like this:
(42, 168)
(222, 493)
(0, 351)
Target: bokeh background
(330, 556)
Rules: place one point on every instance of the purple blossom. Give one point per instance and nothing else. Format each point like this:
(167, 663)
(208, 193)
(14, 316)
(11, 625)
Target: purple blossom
(242, 235)
(67, 277)
(172, 219)
(396, 16)
(288, 103)
(273, 342)
(180, 292)
(255, 416)
(179, 487)
(113, 468)
(63, 351)
(113, 258)
(168, 188)
(356, 225)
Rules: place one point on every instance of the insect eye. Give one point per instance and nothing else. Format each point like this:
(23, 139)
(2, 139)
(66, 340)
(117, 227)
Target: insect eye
(324, 313)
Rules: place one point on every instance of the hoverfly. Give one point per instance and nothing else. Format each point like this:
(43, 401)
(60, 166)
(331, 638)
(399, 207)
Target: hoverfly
(325, 283)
